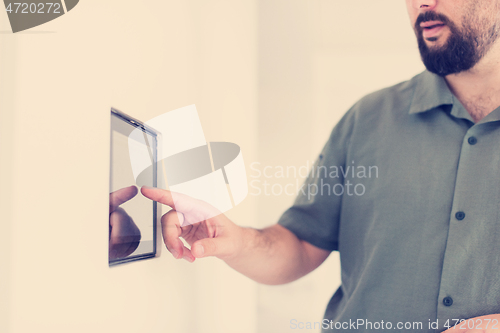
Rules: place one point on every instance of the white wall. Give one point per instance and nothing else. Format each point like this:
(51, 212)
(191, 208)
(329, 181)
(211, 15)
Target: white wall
(58, 82)
(7, 121)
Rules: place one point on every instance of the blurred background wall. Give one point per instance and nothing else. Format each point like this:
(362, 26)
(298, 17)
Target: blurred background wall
(273, 76)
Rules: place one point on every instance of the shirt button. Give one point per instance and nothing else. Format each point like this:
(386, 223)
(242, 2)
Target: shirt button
(447, 301)
(472, 140)
(460, 216)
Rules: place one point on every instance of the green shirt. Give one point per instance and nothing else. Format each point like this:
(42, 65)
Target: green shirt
(407, 189)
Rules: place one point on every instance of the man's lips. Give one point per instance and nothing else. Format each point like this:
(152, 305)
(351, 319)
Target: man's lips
(431, 28)
(428, 24)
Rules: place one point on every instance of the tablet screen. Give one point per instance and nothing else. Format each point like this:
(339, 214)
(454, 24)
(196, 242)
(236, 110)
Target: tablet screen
(133, 218)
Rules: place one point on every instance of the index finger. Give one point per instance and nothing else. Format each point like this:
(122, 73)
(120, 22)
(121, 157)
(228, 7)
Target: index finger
(194, 210)
(159, 195)
(178, 201)
(121, 196)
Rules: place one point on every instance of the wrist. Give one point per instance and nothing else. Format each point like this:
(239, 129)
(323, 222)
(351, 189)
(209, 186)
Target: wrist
(243, 244)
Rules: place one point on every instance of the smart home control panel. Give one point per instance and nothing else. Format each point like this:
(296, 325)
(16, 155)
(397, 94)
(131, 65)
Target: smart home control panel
(133, 218)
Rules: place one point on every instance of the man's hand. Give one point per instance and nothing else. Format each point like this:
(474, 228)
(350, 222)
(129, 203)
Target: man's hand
(273, 255)
(124, 236)
(483, 324)
(207, 231)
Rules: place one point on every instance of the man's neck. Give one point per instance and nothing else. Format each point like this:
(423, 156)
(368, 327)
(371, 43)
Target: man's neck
(478, 89)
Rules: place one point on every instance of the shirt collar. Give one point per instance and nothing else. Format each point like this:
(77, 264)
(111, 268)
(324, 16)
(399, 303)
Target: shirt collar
(430, 92)
(493, 116)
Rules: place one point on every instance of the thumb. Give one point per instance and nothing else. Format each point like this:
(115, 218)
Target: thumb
(210, 247)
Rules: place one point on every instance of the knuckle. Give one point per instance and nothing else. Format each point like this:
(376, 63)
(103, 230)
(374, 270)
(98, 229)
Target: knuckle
(211, 247)
(172, 218)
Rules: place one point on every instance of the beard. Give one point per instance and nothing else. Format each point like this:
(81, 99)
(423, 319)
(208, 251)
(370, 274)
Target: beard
(462, 51)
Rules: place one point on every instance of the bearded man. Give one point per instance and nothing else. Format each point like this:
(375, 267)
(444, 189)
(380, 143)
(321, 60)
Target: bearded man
(420, 249)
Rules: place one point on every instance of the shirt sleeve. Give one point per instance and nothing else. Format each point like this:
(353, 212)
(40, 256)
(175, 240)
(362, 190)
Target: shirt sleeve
(315, 215)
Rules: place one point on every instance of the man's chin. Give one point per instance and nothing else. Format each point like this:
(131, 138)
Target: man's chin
(434, 47)
(436, 42)
(431, 41)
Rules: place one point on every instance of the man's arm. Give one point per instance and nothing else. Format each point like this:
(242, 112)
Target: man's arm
(273, 255)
